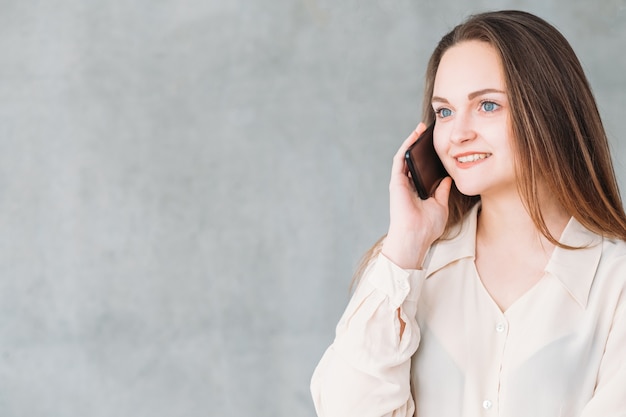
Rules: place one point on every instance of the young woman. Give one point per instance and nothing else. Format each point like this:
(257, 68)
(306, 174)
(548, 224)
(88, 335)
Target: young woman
(504, 294)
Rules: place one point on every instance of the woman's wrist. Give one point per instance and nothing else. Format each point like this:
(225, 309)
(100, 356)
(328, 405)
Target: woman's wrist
(406, 250)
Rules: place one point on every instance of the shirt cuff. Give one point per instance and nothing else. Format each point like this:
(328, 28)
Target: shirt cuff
(396, 283)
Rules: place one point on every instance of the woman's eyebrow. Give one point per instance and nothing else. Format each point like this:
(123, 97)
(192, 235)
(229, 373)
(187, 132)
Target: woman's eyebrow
(478, 93)
(472, 95)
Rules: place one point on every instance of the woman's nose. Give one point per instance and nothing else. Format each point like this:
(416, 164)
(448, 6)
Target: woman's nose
(462, 129)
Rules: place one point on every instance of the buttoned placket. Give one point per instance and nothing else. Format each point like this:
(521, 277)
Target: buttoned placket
(490, 402)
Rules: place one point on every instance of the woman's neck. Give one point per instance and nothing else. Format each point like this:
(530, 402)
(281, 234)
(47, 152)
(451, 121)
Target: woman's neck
(505, 221)
(511, 252)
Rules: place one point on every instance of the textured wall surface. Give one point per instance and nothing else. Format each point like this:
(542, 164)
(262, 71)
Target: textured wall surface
(186, 187)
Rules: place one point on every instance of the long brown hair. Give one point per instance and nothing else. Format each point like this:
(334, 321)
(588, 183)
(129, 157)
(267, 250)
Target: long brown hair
(559, 139)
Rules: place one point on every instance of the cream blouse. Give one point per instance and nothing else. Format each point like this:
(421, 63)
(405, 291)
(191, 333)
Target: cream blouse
(559, 350)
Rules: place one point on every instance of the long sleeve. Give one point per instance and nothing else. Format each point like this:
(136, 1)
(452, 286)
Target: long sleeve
(609, 399)
(366, 371)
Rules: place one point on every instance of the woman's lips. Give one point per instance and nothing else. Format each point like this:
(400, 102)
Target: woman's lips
(469, 159)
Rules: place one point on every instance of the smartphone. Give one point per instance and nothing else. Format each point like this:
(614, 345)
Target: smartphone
(425, 167)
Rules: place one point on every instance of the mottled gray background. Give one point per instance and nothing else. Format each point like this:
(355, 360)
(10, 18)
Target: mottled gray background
(186, 187)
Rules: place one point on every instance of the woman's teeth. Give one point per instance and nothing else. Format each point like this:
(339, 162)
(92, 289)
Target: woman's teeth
(473, 158)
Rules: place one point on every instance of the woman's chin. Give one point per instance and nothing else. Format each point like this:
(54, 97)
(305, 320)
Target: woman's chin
(467, 189)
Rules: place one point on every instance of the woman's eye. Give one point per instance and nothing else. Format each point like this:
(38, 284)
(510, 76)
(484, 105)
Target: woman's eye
(489, 106)
(443, 112)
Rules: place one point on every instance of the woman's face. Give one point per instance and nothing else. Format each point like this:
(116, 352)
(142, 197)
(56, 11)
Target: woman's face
(472, 134)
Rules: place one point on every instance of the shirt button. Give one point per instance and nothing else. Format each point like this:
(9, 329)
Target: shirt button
(487, 404)
(500, 327)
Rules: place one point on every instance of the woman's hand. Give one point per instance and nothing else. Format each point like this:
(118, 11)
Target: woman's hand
(414, 223)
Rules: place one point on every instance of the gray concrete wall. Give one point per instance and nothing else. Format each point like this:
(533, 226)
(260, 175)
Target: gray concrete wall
(186, 187)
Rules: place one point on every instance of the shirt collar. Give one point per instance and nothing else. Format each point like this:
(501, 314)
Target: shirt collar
(461, 244)
(574, 268)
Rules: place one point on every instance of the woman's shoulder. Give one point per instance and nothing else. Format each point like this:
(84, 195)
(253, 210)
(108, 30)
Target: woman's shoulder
(613, 251)
(611, 267)
(613, 248)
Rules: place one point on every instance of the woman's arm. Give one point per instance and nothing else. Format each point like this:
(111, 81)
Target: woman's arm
(609, 398)
(366, 371)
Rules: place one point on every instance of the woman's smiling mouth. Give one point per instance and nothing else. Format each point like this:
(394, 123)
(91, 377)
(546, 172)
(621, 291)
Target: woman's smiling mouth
(464, 159)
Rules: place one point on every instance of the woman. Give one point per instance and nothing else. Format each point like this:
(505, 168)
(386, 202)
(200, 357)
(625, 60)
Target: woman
(504, 293)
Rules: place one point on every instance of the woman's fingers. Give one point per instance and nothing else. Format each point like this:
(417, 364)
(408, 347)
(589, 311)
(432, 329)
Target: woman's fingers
(412, 138)
(398, 166)
(443, 191)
